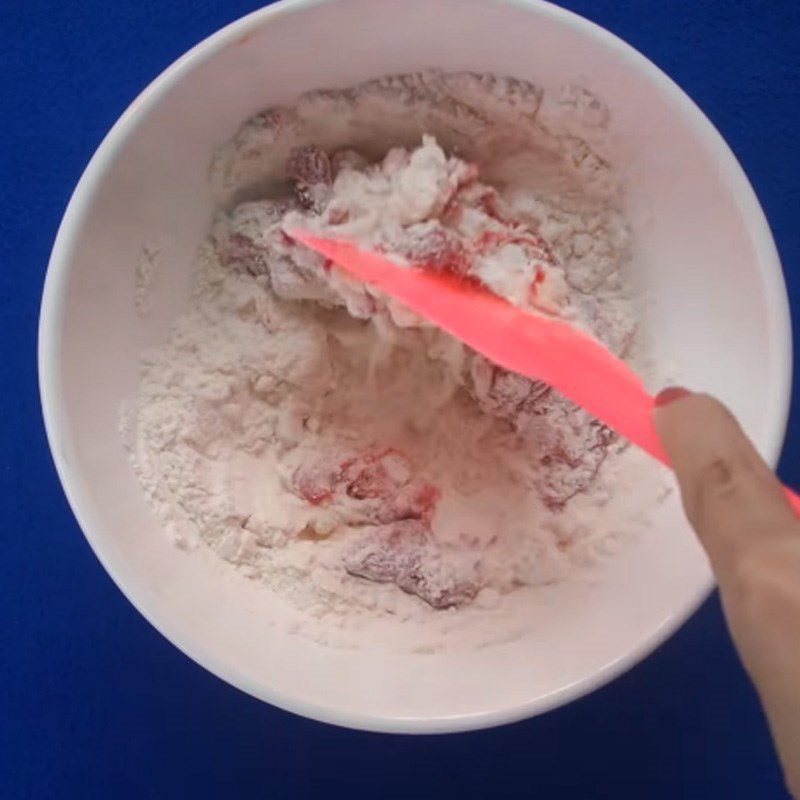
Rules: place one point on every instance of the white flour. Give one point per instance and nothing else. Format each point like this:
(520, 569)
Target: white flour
(391, 485)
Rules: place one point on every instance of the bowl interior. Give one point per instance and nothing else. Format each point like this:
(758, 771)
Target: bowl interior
(719, 313)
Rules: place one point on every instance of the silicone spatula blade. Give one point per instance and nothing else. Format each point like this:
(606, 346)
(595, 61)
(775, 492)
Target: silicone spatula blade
(533, 345)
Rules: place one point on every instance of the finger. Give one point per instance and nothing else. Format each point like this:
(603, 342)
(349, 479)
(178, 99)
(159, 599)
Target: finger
(729, 493)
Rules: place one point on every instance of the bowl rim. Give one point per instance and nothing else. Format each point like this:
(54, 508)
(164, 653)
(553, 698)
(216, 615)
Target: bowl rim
(52, 312)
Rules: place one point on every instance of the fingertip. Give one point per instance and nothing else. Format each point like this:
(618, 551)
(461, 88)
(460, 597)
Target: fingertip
(670, 394)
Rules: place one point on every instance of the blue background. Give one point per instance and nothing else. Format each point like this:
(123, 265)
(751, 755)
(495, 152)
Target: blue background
(95, 703)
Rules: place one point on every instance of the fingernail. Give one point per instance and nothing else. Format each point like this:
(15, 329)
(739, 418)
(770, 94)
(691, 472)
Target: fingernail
(670, 394)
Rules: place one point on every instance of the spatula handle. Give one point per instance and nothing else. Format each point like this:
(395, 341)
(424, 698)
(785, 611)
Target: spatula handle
(793, 498)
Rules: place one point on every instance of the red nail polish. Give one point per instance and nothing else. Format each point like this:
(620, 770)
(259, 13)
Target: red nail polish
(670, 394)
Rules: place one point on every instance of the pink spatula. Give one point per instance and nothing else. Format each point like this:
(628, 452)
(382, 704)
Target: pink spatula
(538, 347)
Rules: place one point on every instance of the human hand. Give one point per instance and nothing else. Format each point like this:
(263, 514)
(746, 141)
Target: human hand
(752, 537)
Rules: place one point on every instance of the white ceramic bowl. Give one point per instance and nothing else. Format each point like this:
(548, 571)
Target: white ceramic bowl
(720, 313)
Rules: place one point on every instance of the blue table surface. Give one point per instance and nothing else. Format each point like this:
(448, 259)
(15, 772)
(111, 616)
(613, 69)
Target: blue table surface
(95, 703)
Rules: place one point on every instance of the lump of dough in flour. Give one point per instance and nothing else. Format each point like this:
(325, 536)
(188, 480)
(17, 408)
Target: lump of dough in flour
(309, 168)
(251, 240)
(404, 553)
(569, 444)
(371, 487)
(423, 207)
(419, 207)
(377, 492)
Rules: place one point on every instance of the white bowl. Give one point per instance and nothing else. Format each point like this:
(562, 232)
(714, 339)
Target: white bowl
(720, 313)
